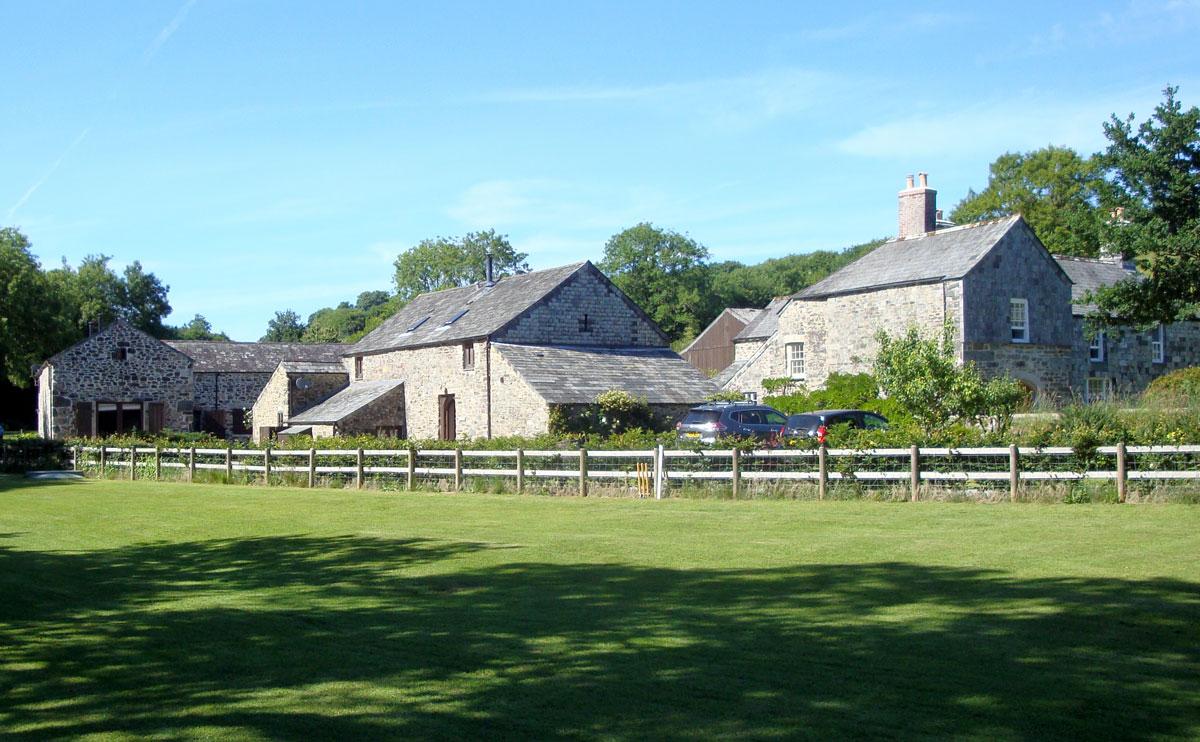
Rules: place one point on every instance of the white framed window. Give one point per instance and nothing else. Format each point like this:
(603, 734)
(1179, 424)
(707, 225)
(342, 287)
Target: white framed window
(1099, 388)
(1096, 348)
(794, 354)
(1158, 345)
(1018, 319)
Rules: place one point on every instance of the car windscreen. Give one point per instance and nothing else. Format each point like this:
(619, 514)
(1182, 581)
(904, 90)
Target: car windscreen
(803, 422)
(702, 417)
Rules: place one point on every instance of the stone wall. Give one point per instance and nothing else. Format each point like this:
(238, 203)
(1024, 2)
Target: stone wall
(1048, 370)
(281, 396)
(228, 391)
(1017, 268)
(559, 320)
(117, 364)
(1128, 358)
(516, 408)
(385, 415)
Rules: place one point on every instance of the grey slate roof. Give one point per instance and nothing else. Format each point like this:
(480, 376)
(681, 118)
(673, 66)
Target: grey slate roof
(1088, 275)
(745, 314)
(937, 256)
(765, 323)
(312, 367)
(489, 309)
(228, 357)
(727, 373)
(346, 402)
(576, 374)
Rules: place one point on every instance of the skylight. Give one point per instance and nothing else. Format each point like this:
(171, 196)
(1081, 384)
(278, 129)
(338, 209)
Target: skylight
(420, 322)
(457, 317)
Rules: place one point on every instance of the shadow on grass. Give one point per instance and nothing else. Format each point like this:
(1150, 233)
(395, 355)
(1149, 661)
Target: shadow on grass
(335, 637)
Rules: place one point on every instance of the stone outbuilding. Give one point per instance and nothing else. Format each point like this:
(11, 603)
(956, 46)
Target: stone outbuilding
(365, 408)
(494, 358)
(119, 380)
(295, 386)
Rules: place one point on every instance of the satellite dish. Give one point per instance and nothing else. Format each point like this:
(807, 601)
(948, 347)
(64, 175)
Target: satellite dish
(303, 383)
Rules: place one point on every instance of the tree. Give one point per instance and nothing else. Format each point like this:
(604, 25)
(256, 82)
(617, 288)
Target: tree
(368, 300)
(26, 317)
(142, 299)
(663, 272)
(285, 327)
(95, 295)
(199, 328)
(447, 262)
(1154, 169)
(334, 325)
(1055, 189)
(923, 376)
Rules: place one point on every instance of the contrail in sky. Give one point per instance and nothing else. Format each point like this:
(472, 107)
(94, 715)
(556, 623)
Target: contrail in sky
(21, 202)
(162, 38)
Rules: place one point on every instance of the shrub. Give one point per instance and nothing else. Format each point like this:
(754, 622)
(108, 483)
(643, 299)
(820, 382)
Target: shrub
(1180, 386)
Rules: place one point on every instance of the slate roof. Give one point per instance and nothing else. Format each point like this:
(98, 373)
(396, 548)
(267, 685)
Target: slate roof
(229, 357)
(424, 320)
(744, 314)
(765, 323)
(727, 373)
(1088, 275)
(576, 374)
(346, 402)
(938, 256)
(312, 367)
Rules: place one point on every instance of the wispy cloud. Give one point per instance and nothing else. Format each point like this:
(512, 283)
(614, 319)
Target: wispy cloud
(724, 102)
(46, 176)
(1026, 120)
(874, 25)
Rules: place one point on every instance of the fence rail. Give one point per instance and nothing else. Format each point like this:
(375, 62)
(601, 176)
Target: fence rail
(653, 472)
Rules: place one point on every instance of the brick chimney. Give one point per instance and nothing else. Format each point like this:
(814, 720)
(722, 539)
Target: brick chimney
(918, 208)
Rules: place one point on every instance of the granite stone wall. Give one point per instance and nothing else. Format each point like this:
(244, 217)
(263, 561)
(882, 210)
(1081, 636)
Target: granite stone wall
(385, 414)
(117, 364)
(281, 396)
(1129, 359)
(1049, 370)
(560, 320)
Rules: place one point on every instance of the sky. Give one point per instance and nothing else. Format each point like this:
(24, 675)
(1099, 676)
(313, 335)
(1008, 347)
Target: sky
(259, 155)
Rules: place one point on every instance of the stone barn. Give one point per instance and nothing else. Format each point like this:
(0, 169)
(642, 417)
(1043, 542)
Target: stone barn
(295, 386)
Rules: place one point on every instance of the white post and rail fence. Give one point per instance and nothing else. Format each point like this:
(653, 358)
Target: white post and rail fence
(655, 472)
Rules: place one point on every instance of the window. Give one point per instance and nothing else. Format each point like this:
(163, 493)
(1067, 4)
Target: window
(752, 397)
(795, 360)
(1018, 320)
(774, 418)
(1096, 348)
(585, 324)
(874, 422)
(120, 354)
(1158, 345)
(1099, 388)
(358, 371)
(456, 317)
(418, 323)
(468, 356)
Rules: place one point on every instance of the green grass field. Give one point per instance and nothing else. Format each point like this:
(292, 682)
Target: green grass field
(184, 611)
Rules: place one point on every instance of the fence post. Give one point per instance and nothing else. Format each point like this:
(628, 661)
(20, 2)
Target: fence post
(412, 468)
(74, 458)
(192, 464)
(157, 463)
(1014, 473)
(458, 475)
(229, 464)
(659, 472)
(583, 473)
(822, 470)
(520, 471)
(312, 468)
(103, 459)
(267, 465)
(735, 458)
(132, 463)
(1122, 474)
(358, 469)
(914, 471)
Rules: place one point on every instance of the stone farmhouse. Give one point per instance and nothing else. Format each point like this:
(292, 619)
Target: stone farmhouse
(1015, 309)
(121, 379)
(494, 359)
(712, 350)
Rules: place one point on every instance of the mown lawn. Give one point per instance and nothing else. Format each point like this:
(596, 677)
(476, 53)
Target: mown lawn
(175, 610)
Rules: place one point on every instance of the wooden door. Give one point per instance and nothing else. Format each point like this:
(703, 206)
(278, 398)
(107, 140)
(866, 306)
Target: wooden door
(447, 425)
(154, 417)
(83, 420)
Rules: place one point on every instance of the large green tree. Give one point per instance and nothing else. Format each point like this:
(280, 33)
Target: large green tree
(664, 272)
(1055, 189)
(447, 262)
(284, 327)
(26, 315)
(198, 328)
(1154, 171)
(95, 295)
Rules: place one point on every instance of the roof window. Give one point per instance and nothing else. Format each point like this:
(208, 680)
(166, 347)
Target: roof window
(420, 322)
(457, 317)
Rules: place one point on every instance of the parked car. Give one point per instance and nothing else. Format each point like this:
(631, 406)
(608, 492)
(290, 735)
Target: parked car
(807, 423)
(706, 423)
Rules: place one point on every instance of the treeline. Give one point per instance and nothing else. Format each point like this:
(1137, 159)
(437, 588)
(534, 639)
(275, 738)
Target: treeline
(670, 275)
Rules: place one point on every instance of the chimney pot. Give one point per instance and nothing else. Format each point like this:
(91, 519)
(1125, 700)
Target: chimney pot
(489, 269)
(924, 179)
(918, 209)
(909, 181)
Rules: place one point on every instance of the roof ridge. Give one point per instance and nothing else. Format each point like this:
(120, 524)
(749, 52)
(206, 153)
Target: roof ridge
(957, 228)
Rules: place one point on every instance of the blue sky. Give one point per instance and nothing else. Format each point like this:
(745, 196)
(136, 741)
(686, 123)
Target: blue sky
(268, 155)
